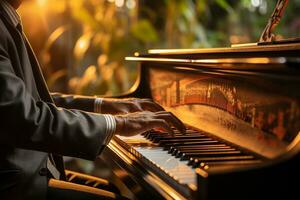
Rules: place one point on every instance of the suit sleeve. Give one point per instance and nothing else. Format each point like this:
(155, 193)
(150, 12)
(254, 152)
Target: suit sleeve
(78, 102)
(36, 125)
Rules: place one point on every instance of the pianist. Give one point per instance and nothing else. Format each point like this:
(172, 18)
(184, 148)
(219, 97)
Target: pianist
(37, 127)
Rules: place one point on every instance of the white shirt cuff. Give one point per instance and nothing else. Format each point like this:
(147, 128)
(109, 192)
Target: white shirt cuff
(97, 105)
(110, 127)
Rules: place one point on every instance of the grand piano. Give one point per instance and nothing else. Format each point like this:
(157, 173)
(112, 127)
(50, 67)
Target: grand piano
(241, 107)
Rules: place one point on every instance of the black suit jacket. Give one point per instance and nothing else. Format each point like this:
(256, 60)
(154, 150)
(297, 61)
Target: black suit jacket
(32, 126)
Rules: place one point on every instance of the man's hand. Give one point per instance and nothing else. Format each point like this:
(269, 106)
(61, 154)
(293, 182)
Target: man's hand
(124, 106)
(140, 122)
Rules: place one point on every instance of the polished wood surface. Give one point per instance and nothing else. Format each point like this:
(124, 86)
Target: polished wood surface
(242, 107)
(247, 48)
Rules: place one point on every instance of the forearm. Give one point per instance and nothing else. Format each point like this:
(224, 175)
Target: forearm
(85, 103)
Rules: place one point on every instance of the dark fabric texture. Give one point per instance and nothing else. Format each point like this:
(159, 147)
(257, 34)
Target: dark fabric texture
(32, 126)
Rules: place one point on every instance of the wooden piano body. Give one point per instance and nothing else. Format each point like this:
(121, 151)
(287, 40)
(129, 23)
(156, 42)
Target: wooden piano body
(245, 97)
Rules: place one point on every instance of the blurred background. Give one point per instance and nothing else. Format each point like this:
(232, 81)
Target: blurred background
(81, 44)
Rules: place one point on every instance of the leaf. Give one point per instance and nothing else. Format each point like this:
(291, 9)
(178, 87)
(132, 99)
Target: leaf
(144, 31)
(225, 5)
(201, 5)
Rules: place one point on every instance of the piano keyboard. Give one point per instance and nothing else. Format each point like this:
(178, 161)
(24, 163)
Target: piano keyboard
(178, 155)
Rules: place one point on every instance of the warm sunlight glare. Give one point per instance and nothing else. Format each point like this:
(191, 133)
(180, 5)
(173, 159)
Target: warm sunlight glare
(42, 3)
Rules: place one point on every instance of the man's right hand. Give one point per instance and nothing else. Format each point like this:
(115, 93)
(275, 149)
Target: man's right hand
(140, 122)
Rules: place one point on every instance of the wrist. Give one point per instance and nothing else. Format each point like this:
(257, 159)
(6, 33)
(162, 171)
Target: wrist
(98, 105)
(120, 124)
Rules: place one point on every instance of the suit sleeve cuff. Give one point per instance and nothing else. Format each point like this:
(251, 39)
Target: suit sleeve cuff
(97, 105)
(110, 128)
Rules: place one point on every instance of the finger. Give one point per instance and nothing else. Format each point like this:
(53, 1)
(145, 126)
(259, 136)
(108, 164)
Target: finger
(130, 99)
(161, 123)
(159, 107)
(136, 108)
(171, 114)
(146, 99)
(171, 118)
(181, 124)
(145, 105)
(152, 106)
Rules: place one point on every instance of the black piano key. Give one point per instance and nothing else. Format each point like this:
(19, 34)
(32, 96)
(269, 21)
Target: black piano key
(151, 136)
(172, 150)
(236, 162)
(195, 147)
(222, 164)
(153, 133)
(206, 148)
(188, 131)
(212, 153)
(205, 155)
(195, 162)
(179, 153)
(174, 140)
(227, 158)
(209, 147)
(167, 146)
(167, 137)
(162, 137)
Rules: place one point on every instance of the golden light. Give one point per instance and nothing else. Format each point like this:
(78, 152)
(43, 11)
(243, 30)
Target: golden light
(119, 3)
(42, 3)
(82, 45)
(131, 4)
(55, 35)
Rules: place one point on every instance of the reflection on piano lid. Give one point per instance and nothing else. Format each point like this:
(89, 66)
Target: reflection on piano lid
(242, 109)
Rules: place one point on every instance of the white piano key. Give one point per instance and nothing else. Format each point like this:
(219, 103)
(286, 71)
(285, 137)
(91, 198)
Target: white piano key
(176, 168)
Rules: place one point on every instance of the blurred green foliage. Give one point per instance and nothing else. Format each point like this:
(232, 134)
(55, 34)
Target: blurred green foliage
(97, 35)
